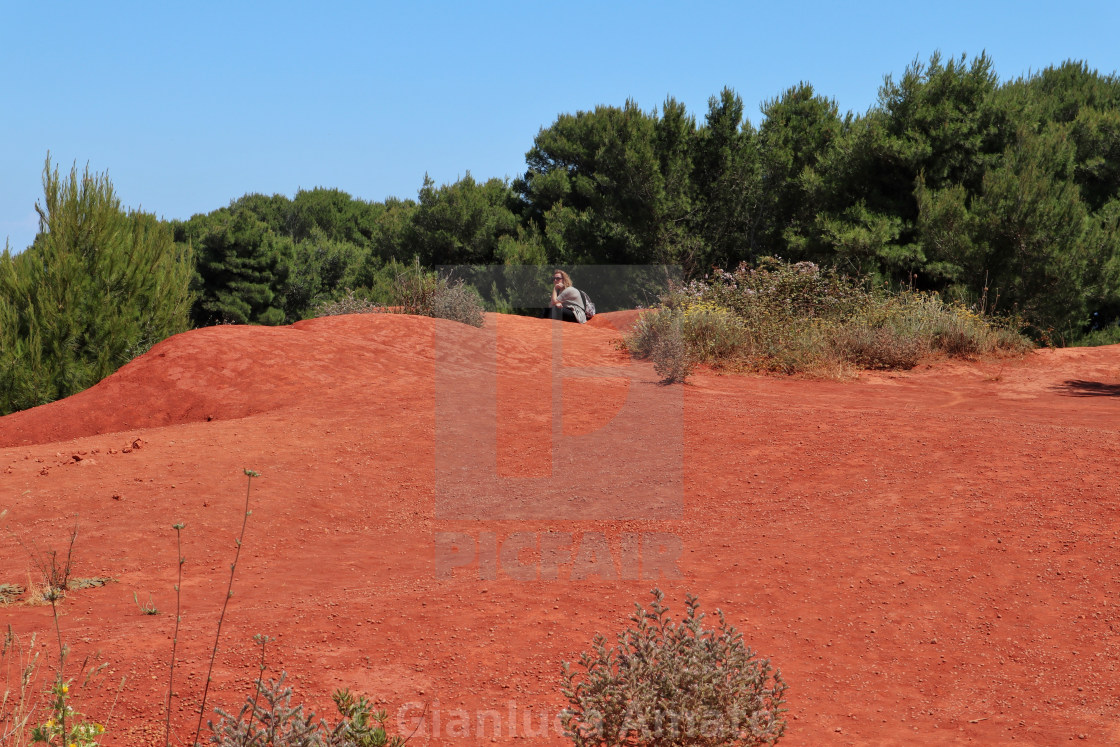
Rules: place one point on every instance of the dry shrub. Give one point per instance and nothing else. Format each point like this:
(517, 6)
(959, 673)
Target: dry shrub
(669, 684)
(455, 301)
(348, 304)
(798, 318)
(416, 291)
(877, 347)
(672, 356)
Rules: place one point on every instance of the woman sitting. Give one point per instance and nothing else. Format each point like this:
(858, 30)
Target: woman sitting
(567, 302)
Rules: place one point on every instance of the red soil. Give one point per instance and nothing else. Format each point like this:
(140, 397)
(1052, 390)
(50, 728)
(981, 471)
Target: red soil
(929, 557)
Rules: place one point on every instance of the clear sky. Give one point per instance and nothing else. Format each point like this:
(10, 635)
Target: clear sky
(190, 105)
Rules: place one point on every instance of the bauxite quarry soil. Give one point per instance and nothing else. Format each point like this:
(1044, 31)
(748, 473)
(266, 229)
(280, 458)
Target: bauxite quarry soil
(929, 557)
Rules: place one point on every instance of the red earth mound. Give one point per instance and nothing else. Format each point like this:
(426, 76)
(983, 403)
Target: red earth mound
(929, 557)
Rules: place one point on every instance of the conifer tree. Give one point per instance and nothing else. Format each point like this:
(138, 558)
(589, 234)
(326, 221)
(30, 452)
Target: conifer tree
(98, 287)
(242, 267)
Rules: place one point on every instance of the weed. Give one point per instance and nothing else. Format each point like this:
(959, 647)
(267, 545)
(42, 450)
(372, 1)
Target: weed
(17, 706)
(669, 685)
(268, 718)
(148, 607)
(178, 527)
(54, 731)
(250, 474)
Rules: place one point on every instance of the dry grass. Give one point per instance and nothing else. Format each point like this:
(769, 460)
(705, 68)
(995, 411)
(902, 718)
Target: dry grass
(799, 319)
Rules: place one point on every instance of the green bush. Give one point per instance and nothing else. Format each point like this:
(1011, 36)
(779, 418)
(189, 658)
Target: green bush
(673, 685)
(98, 287)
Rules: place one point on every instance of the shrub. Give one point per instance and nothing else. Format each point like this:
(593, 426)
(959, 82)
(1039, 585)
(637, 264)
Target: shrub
(456, 301)
(877, 347)
(425, 293)
(798, 318)
(268, 718)
(417, 291)
(348, 304)
(672, 358)
(667, 684)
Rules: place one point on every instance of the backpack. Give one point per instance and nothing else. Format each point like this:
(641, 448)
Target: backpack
(588, 305)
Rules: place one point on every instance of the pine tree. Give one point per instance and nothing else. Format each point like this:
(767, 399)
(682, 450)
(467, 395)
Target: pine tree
(241, 269)
(98, 287)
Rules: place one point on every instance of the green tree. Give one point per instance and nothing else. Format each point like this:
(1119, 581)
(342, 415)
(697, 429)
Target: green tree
(320, 269)
(798, 132)
(727, 181)
(941, 124)
(242, 267)
(594, 187)
(461, 223)
(1027, 233)
(98, 287)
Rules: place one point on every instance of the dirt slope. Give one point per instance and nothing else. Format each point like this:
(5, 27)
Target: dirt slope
(929, 557)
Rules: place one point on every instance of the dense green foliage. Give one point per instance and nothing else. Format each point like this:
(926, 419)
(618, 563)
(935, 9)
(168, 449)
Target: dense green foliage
(1002, 196)
(98, 287)
(1006, 196)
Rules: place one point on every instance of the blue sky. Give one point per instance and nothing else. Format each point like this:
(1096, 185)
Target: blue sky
(190, 105)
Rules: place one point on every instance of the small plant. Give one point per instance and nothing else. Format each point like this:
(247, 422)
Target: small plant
(148, 607)
(278, 724)
(268, 718)
(17, 705)
(250, 474)
(672, 358)
(65, 727)
(360, 726)
(673, 685)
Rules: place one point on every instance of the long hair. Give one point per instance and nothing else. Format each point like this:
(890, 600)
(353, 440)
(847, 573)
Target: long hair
(567, 279)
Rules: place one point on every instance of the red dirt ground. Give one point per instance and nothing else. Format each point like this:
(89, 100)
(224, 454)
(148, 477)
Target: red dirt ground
(929, 557)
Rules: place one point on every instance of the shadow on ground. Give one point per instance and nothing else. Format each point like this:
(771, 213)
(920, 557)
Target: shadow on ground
(1079, 388)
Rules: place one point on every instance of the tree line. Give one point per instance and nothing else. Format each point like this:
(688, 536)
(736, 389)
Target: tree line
(1003, 195)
